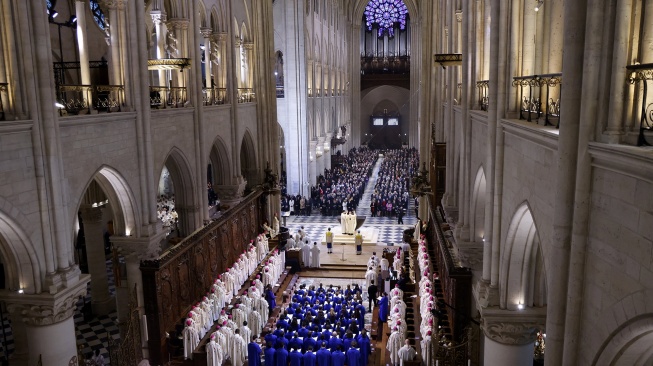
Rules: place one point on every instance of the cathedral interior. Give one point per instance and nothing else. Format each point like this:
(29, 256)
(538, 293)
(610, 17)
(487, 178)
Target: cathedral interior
(496, 152)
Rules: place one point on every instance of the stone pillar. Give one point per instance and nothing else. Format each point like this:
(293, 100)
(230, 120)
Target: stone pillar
(238, 64)
(159, 19)
(319, 153)
(618, 90)
(206, 33)
(230, 195)
(312, 166)
(220, 41)
(101, 299)
(249, 64)
(510, 335)
(115, 68)
(44, 324)
(82, 42)
(327, 151)
(134, 250)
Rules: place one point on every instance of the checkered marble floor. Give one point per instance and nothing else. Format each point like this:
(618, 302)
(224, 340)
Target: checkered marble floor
(389, 231)
(91, 335)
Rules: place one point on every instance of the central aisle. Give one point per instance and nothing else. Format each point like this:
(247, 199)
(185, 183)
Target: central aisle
(363, 208)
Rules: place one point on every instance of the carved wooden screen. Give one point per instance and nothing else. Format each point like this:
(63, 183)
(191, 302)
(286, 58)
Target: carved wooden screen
(456, 281)
(183, 274)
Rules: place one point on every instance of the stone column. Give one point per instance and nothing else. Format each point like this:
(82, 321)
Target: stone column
(220, 40)
(238, 64)
(134, 250)
(159, 19)
(82, 42)
(44, 323)
(319, 153)
(510, 335)
(206, 33)
(101, 299)
(230, 195)
(180, 30)
(327, 150)
(115, 68)
(249, 64)
(312, 166)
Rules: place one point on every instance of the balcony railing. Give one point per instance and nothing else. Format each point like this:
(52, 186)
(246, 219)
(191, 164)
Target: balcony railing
(310, 92)
(82, 99)
(280, 91)
(3, 91)
(246, 95)
(371, 65)
(640, 76)
(167, 97)
(214, 96)
(483, 100)
(531, 98)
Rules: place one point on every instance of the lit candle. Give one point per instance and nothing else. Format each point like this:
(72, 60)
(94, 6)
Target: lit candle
(469, 362)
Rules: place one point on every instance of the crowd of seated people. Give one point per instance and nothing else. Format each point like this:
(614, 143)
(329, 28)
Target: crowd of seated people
(296, 205)
(341, 188)
(321, 326)
(165, 210)
(391, 193)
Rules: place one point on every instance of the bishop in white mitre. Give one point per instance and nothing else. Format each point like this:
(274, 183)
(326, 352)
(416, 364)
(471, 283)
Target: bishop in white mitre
(214, 356)
(394, 345)
(238, 350)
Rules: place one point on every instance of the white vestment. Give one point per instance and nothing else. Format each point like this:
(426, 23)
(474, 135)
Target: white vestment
(427, 346)
(191, 340)
(238, 350)
(306, 255)
(214, 356)
(245, 332)
(406, 353)
(384, 264)
(255, 322)
(370, 276)
(394, 344)
(351, 223)
(238, 316)
(315, 257)
(343, 223)
(275, 226)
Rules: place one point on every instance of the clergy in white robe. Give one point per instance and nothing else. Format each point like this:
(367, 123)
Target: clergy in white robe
(245, 332)
(275, 227)
(238, 315)
(306, 254)
(238, 350)
(427, 349)
(370, 275)
(291, 243)
(406, 353)
(351, 223)
(214, 356)
(255, 322)
(394, 345)
(343, 223)
(191, 338)
(315, 256)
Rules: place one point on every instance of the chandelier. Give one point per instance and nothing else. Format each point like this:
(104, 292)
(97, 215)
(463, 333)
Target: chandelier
(386, 13)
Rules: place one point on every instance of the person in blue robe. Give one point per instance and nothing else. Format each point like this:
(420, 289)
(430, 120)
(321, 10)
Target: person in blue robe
(323, 356)
(338, 357)
(334, 342)
(354, 355)
(365, 347)
(309, 342)
(295, 357)
(269, 354)
(295, 342)
(303, 332)
(253, 353)
(270, 298)
(309, 358)
(346, 342)
(271, 338)
(383, 308)
(281, 356)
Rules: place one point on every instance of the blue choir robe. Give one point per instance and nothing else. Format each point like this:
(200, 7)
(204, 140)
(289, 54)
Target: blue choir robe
(271, 299)
(354, 357)
(383, 309)
(283, 324)
(253, 354)
(365, 348)
(295, 343)
(327, 334)
(283, 341)
(295, 358)
(346, 344)
(309, 359)
(309, 342)
(281, 357)
(323, 357)
(337, 358)
(269, 356)
(302, 332)
(334, 342)
(271, 338)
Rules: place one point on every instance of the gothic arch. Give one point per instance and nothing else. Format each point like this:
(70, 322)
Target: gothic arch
(219, 159)
(184, 188)
(172, 9)
(248, 161)
(203, 18)
(126, 218)
(629, 343)
(522, 276)
(477, 224)
(22, 265)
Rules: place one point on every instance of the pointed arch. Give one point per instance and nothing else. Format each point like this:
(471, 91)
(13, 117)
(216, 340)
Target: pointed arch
(115, 187)
(204, 22)
(477, 224)
(219, 159)
(184, 187)
(215, 21)
(248, 161)
(522, 276)
(22, 265)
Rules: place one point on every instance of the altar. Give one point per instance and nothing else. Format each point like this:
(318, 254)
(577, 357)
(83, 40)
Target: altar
(370, 237)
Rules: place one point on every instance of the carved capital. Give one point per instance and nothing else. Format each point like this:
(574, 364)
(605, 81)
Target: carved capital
(219, 37)
(110, 4)
(145, 248)
(513, 327)
(178, 23)
(459, 16)
(46, 309)
(158, 17)
(248, 45)
(230, 192)
(206, 32)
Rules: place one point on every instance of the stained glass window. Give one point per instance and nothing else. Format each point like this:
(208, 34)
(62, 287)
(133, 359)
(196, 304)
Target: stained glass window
(98, 15)
(386, 13)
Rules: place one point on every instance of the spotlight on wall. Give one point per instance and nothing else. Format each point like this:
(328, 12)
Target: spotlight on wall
(20, 291)
(54, 14)
(73, 19)
(539, 5)
(520, 306)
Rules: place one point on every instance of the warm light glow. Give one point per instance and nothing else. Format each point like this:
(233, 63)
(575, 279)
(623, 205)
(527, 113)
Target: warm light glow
(520, 306)
(20, 291)
(59, 105)
(127, 232)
